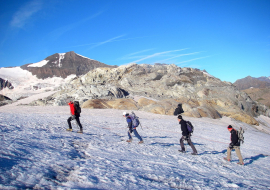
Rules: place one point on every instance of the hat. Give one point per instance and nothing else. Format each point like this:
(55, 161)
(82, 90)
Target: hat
(229, 127)
(179, 117)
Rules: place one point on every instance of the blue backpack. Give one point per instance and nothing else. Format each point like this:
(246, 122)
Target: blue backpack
(135, 119)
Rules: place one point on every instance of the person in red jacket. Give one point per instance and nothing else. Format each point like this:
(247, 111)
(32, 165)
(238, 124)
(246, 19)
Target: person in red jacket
(74, 115)
(234, 145)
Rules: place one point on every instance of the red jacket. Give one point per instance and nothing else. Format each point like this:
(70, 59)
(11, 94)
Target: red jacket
(72, 109)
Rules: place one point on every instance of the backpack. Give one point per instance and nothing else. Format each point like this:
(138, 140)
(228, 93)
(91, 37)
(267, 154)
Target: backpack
(135, 119)
(190, 127)
(240, 134)
(77, 108)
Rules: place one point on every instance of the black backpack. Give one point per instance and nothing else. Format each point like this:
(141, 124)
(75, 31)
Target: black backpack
(190, 127)
(77, 108)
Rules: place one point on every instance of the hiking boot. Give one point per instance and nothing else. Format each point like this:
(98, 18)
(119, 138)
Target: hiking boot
(140, 142)
(129, 140)
(225, 158)
(182, 151)
(240, 163)
(69, 130)
(80, 131)
(194, 153)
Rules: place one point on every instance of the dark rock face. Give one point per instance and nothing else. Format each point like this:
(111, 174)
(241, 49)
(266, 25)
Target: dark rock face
(4, 98)
(5, 84)
(249, 81)
(63, 65)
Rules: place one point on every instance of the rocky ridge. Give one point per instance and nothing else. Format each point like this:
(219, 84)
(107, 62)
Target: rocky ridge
(159, 89)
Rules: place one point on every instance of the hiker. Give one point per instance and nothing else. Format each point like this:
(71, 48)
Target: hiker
(132, 128)
(234, 145)
(185, 136)
(75, 114)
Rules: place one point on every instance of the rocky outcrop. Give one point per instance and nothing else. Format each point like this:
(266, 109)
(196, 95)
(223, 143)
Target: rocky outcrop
(162, 88)
(4, 100)
(5, 84)
(63, 65)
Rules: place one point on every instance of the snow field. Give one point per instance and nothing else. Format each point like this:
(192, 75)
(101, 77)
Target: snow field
(38, 152)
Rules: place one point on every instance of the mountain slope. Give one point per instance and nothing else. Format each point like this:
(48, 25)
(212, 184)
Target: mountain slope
(63, 65)
(261, 95)
(249, 82)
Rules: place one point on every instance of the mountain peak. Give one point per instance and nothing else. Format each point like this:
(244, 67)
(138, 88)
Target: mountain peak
(62, 65)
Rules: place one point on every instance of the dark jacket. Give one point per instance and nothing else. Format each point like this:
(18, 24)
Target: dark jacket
(234, 138)
(184, 127)
(129, 121)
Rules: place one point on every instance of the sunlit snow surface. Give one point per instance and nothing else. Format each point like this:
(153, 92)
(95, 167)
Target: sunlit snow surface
(39, 64)
(37, 152)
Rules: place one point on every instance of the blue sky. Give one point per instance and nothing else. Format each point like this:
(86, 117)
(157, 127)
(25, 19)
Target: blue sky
(230, 39)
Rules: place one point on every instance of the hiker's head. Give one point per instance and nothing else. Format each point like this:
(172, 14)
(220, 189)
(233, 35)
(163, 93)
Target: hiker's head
(125, 114)
(229, 127)
(179, 118)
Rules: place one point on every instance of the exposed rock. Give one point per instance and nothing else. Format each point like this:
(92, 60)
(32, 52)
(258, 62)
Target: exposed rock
(4, 100)
(163, 87)
(123, 104)
(145, 102)
(96, 104)
(5, 84)
(261, 95)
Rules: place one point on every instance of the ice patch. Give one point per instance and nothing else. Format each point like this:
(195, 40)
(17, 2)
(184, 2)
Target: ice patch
(39, 64)
(84, 56)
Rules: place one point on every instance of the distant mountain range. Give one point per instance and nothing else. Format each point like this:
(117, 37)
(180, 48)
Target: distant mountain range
(252, 82)
(63, 65)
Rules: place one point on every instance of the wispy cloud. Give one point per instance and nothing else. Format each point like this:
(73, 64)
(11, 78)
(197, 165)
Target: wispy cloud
(106, 41)
(135, 55)
(55, 34)
(157, 54)
(114, 40)
(192, 60)
(178, 56)
(25, 13)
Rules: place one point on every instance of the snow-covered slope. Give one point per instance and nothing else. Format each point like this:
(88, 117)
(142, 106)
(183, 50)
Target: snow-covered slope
(25, 84)
(37, 152)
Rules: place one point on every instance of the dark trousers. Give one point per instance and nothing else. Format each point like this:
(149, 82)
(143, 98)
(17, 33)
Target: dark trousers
(135, 133)
(189, 143)
(77, 120)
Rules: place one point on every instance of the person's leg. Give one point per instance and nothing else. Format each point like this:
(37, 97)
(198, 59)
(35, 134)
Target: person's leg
(129, 136)
(229, 154)
(69, 123)
(137, 134)
(79, 123)
(192, 146)
(238, 153)
(182, 143)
